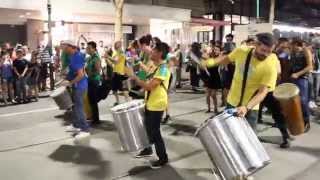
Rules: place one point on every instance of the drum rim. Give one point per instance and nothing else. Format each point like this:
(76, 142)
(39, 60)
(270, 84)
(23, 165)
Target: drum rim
(207, 121)
(54, 93)
(117, 110)
(283, 85)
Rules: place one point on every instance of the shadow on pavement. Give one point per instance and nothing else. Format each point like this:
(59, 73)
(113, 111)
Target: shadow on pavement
(182, 129)
(106, 126)
(167, 173)
(66, 117)
(83, 155)
(307, 150)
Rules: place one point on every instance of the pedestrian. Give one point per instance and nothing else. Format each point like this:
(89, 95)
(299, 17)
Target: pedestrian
(20, 68)
(93, 69)
(193, 66)
(255, 74)
(6, 66)
(118, 60)
(156, 103)
(301, 66)
(33, 77)
(77, 80)
(46, 68)
(210, 76)
(179, 56)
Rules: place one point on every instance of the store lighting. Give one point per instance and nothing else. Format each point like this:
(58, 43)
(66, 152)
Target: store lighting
(21, 16)
(28, 13)
(295, 29)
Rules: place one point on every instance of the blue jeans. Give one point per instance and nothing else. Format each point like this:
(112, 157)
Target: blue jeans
(314, 86)
(79, 118)
(303, 85)
(21, 88)
(252, 117)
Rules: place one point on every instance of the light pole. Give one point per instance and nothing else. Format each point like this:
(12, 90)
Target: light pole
(49, 27)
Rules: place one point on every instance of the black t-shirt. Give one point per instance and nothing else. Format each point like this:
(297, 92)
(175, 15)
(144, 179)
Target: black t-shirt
(20, 65)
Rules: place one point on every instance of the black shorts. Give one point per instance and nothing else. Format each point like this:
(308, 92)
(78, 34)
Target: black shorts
(117, 82)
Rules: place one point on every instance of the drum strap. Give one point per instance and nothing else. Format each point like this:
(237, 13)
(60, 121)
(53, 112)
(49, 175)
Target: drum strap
(245, 76)
(161, 84)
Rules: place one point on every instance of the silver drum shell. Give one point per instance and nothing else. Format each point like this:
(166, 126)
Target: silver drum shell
(129, 121)
(232, 146)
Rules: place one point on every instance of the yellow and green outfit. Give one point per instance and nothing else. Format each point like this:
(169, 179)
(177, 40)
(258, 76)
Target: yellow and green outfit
(94, 79)
(118, 71)
(156, 104)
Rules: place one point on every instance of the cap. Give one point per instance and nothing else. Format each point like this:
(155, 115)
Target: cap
(69, 42)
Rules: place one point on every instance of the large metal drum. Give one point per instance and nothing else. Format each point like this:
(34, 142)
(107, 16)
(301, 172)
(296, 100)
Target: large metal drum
(232, 146)
(62, 98)
(288, 96)
(129, 120)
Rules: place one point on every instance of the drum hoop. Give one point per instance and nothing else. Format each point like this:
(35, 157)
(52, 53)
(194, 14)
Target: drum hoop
(123, 110)
(55, 94)
(206, 122)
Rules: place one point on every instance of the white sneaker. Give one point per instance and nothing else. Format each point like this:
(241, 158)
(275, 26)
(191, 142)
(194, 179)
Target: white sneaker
(71, 128)
(82, 135)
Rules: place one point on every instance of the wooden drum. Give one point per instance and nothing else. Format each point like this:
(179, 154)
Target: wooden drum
(288, 96)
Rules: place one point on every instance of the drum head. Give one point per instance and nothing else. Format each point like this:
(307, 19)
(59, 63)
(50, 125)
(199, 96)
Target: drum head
(223, 115)
(286, 91)
(127, 106)
(58, 91)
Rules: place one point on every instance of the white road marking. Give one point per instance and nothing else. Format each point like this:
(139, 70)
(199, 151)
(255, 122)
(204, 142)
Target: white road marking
(27, 112)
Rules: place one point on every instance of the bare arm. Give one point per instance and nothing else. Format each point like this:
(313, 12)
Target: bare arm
(223, 60)
(148, 86)
(257, 99)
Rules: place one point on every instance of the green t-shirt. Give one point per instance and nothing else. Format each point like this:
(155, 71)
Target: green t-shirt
(91, 67)
(65, 60)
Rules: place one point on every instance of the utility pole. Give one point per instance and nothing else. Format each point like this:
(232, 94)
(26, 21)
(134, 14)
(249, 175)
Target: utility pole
(272, 11)
(49, 7)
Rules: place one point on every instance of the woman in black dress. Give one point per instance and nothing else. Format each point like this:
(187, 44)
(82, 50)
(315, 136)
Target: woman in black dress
(211, 78)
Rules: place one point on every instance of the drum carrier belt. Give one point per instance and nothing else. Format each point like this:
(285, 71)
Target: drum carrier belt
(245, 76)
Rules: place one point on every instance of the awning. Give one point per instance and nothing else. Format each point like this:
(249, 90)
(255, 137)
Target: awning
(209, 22)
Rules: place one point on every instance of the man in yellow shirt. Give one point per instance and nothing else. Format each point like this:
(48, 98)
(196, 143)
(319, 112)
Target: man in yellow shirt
(156, 103)
(247, 93)
(118, 61)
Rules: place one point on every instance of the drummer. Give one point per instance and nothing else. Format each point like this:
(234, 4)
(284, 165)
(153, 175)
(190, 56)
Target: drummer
(246, 95)
(78, 81)
(156, 103)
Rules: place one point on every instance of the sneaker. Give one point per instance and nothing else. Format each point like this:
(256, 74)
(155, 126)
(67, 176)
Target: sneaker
(144, 153)
(82, 135)
(285, 145)
(166, 119)
(71, 128)
(158, 164)
(307, 127)
(115, 104)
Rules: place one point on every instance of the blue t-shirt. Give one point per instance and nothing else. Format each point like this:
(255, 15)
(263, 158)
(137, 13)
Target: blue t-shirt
(77, 62)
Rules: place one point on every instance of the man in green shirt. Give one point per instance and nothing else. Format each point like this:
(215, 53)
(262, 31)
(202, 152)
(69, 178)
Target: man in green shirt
(93, 69)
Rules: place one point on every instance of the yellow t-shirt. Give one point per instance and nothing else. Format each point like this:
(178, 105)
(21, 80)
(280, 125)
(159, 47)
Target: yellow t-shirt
(260, 73)
(158, 97)
(119, 67)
